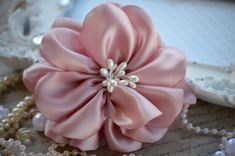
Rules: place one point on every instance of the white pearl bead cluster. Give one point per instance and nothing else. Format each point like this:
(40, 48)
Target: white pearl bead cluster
(15, 147)
(11, 147)
(9, 81)
(11, 123)
(115, 75)
(227, 147)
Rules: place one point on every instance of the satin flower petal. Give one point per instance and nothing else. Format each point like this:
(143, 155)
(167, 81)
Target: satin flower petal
(85, 122)
(91, 143)
(146, 133)
(168, 100)
(67, 23)
(88, 144)
(113, 38)
(167, 69)
(58, 94)
(148, 41)
(36, 72)
(62, 48)
(189, 96)
(132, 110)
(117, 141)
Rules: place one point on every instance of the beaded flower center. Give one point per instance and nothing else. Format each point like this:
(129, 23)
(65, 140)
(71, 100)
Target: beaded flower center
(115, 75)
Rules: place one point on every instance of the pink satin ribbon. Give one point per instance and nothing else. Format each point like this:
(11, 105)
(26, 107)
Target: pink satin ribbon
(69, 92)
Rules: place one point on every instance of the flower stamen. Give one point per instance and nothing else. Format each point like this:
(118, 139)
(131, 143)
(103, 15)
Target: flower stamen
(115, 75)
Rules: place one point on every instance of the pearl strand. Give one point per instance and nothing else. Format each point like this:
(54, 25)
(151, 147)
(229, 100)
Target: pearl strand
(9, 81)
(198, 129)
(15, 116)
(13, 147)
(226, 135)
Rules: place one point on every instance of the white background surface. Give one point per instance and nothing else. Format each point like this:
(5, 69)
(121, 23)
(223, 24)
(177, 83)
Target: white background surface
(203, 29)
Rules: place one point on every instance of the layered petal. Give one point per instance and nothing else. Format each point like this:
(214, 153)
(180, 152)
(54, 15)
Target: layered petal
(114, 37)
(189, 96)
(35, 72)
(117, 141)
(146, 133)
(168, 100)
(67, 23)
(129, 109)
(58, 94)
(62, 48)
(91, 143)
(167, 69)
(54, 136)
(84, 122)
(148, 40)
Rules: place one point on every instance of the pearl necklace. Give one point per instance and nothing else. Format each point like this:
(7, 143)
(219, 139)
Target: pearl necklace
(227, 146)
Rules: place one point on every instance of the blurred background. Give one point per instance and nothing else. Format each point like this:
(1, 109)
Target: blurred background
(203, 29)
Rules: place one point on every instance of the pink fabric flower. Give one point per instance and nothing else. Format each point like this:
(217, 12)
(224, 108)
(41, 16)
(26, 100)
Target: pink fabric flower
(68, 86)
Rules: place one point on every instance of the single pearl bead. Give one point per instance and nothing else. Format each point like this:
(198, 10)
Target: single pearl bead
(197, 129)
(230, 147)
(39, 122)
(189, 126)
(214, 131)
(37, 39)
(205, 130)
(185, 110)
(219, 153)
(184, 121)
(184, 116)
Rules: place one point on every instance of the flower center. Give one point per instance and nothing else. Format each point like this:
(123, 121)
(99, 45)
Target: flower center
(115, 75)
